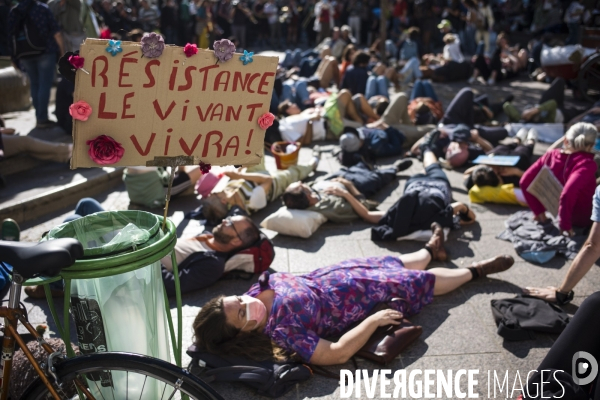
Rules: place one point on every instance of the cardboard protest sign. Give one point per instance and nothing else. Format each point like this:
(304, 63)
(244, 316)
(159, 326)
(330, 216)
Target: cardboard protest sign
(547, 189)
(171, 105)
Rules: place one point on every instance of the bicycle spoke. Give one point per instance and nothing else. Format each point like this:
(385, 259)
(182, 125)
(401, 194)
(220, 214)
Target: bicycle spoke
(99, 391)
(163, 393)
(173, 394)
(143, 386)
(127, 386)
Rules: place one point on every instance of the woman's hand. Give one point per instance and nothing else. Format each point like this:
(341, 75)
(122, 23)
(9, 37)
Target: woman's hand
(386, 317)
(548, 293)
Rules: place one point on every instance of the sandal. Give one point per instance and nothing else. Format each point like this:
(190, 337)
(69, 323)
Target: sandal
(436, 243)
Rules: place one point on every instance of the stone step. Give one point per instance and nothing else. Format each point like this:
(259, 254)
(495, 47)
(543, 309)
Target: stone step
(50, 187)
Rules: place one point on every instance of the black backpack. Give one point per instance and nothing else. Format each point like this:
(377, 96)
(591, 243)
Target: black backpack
(268, 378)
(519, 317)
(28, 41)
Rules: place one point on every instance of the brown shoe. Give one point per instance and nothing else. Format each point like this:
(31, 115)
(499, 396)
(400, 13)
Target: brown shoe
(436, 243)
(494, 265)
(37, 292)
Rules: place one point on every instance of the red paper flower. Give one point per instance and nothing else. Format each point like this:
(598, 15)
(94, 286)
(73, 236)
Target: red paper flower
(266, 120)
(76, 61)
(105, 150)
(204, 168)
(80, 110)
(190, 49)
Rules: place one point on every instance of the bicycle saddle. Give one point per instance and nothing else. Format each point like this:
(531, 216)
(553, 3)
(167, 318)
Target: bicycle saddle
(45, 258)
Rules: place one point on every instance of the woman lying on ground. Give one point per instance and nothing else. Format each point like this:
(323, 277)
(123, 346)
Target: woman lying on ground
(575, 169)
(285, 315)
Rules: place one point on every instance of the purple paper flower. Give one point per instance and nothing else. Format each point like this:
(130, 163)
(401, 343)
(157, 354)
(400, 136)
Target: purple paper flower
(204, 168)
(152, 45)
(224, 49)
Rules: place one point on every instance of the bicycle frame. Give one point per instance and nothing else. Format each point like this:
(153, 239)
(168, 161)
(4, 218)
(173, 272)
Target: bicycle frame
(12, 316)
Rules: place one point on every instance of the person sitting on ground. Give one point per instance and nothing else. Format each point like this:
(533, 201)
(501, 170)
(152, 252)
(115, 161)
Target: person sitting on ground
(146, 186)
(505, 63)
(491, 175)
(587, 256)
(356, 76)
(575, 169)
(280, 317)
(566, 356)
(203, 259)
(431, 191)
(308, 125)
(252, 189)
(409, 57)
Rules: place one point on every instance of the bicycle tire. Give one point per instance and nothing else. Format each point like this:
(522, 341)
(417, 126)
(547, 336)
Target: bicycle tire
(159, 370)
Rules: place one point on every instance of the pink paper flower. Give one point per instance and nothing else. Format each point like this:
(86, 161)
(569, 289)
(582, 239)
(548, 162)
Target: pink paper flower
(266, 120)
(76, 61)
(224, 49)
(105, 150)
(80, 110)
(204, 168)
(190, 49)
(152, 45)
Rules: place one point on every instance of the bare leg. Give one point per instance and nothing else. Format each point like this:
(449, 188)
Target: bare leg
(328, 70)
(345, 98)
(417, 260)
(447, 280)
(365, 108)
(429, 159)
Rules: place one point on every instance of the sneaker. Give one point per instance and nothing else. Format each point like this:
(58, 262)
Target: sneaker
(472, 80)
(522, 135)
(10, 230)
(491, 81)
(532, 135)
(481, 80)
(402, 165)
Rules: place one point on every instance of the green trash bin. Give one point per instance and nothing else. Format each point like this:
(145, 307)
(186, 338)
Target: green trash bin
(117, 297)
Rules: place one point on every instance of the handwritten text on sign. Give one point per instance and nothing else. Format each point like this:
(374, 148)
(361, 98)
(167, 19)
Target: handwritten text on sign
(173, 105)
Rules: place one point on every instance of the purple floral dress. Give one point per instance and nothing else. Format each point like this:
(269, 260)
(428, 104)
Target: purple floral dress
(325, 302)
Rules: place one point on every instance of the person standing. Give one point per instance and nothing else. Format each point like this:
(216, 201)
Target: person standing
(169, 22)
(573, 21)
(239, 17)
(323, 20)
(149, 16)
(39, 64)
(67, 13)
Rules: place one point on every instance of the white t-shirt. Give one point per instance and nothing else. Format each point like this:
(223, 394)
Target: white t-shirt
(452, 52)
(293, 127)
(183, 249)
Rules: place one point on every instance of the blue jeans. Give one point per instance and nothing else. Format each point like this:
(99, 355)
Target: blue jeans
(423, 89)
(377, 85)
(292, 58)
(468, 40)
(411, 70)
(40, 70)
(573, 34)
(295, 91)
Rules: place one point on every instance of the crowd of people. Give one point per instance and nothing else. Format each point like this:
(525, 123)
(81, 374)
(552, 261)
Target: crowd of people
(339, 81)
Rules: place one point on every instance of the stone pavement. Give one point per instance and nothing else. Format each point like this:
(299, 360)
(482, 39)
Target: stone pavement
(458, 328)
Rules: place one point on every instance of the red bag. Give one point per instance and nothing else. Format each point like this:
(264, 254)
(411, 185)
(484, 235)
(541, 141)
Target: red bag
(324, 17)
(263, 253)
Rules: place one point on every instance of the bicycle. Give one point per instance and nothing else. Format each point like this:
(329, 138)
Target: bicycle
(91, 376)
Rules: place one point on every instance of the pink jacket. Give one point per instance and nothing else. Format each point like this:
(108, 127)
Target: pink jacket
(577, 173)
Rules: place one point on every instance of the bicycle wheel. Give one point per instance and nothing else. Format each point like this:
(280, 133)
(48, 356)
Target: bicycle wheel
(124, 376)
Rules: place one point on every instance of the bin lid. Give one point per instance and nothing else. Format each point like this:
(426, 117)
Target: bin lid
(111, 232)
